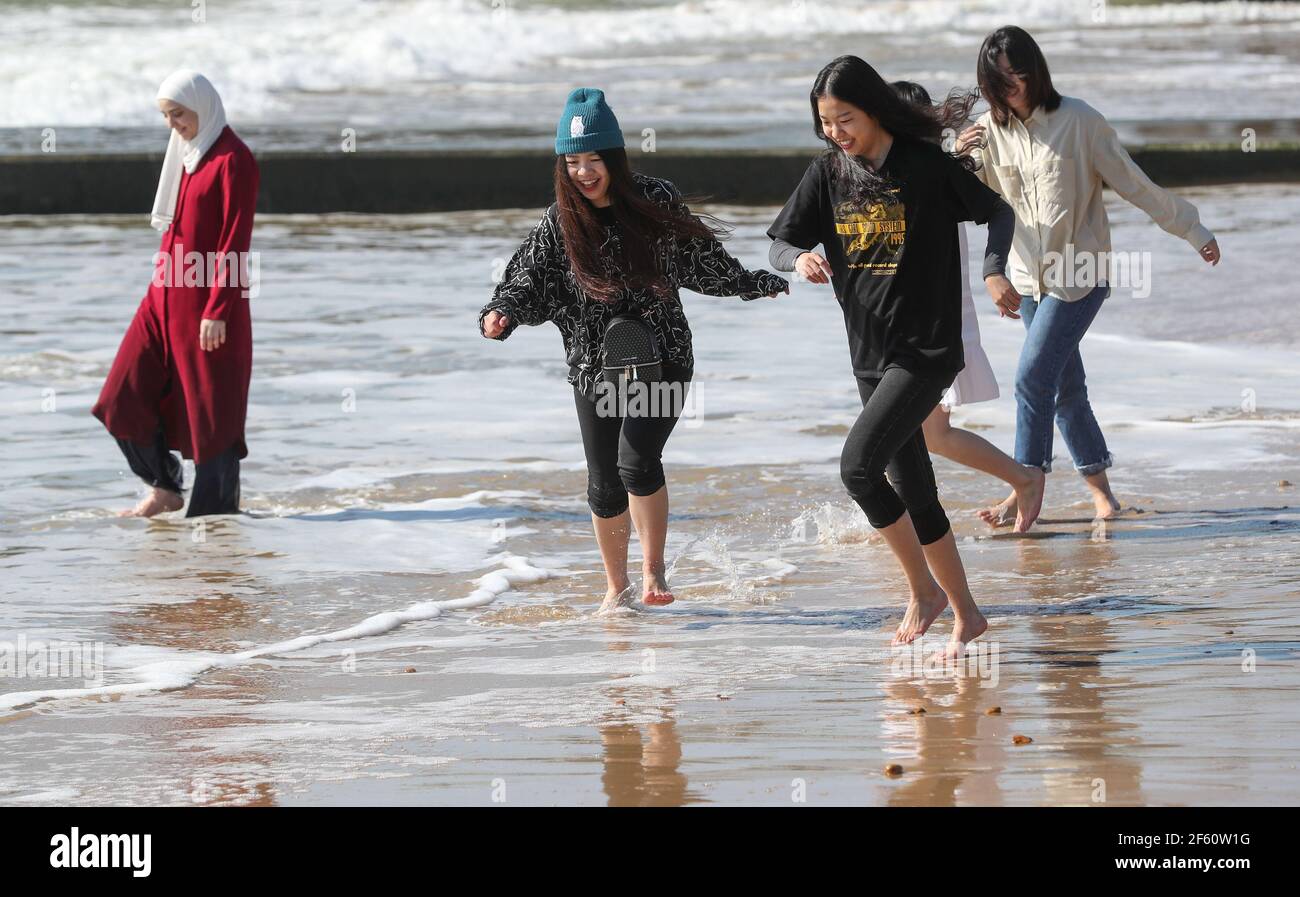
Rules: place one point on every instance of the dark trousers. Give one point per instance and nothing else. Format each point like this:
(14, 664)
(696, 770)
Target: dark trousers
(887, 437)
(216, 481)
(624, 451)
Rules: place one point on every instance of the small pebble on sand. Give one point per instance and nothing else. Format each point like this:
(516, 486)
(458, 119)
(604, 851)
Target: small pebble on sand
(893, 770)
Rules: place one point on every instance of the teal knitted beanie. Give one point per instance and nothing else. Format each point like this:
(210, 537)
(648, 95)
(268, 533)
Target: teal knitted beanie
(588, 125)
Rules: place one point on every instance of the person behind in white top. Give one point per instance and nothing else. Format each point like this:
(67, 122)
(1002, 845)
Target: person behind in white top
(1049, 156)
(975, 383)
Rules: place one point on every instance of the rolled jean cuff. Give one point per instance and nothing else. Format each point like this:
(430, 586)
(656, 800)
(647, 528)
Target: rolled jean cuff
(1089, 469)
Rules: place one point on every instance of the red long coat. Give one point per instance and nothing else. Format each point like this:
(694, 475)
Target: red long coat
(161, 373)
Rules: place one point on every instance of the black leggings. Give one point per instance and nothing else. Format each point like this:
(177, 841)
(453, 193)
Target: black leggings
(624, 450)
(216, 481)
(887, 437)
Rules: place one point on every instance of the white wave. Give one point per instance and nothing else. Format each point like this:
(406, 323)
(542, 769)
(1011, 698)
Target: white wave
(164, 670)
(101, 65)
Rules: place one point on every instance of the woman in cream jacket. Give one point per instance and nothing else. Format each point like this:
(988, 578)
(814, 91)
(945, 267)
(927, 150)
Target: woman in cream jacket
(1049, 156)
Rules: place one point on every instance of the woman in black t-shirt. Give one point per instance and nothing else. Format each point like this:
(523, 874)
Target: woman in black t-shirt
(884, 202)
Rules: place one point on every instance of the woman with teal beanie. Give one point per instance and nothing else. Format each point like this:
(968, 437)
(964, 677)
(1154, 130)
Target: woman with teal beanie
(617, 245)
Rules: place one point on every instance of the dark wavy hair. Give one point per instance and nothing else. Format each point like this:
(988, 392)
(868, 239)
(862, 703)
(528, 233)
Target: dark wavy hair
(851, 80)
(641, 222)
(911, 92)
(1026, 60)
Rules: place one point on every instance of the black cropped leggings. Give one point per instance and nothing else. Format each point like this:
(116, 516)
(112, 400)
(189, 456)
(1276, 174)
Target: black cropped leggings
(624, 451)
(887, 438)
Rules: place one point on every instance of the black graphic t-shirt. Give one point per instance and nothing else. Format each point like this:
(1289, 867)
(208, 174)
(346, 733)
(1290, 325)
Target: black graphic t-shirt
(894, 264)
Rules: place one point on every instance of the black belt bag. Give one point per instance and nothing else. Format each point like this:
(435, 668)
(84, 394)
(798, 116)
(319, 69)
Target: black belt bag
(630, 351)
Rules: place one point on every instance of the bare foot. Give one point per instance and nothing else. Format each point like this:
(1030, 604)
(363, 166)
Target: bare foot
(616, 598)
(1103, 499)
(1107, 506)
(656, 592)
(966, 629)
(157, 501)
(1003, 513)
(1029, 499)
(922, 610)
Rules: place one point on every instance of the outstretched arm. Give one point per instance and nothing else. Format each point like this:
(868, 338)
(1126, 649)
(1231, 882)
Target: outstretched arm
(531, 289)
(1173, 214)
(703, 265)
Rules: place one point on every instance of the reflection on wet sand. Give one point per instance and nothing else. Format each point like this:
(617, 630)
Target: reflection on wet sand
(197, 559)
(641, 769)
(1093, 765)
(640, 763)
(953, 733)
(953, 752)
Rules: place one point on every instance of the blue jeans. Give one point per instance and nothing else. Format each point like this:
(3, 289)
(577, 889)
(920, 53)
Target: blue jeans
(1050, 384)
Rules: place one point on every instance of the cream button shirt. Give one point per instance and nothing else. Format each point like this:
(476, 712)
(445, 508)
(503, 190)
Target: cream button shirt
(1050, 169)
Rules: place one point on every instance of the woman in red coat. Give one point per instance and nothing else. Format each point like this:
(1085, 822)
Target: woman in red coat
(180, 379)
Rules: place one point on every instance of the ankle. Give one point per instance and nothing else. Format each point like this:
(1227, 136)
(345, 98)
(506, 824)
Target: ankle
(923, 591)
(963, 603)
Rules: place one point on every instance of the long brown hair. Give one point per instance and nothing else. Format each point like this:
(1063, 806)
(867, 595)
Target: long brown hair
(1026, 59)
(642, 223)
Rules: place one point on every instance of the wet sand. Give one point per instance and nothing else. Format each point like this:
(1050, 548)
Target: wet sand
(1154, 658)
(1151, 661)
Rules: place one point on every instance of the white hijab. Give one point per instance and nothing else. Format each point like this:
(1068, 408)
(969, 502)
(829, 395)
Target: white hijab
(193, 91)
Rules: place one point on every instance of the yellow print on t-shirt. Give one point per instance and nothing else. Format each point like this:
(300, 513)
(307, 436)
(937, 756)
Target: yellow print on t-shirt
(872, 239)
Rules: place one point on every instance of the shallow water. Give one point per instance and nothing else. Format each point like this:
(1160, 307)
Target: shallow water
(1157, 654)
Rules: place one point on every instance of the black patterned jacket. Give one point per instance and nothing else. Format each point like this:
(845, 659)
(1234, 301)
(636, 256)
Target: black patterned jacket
(538, 286)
